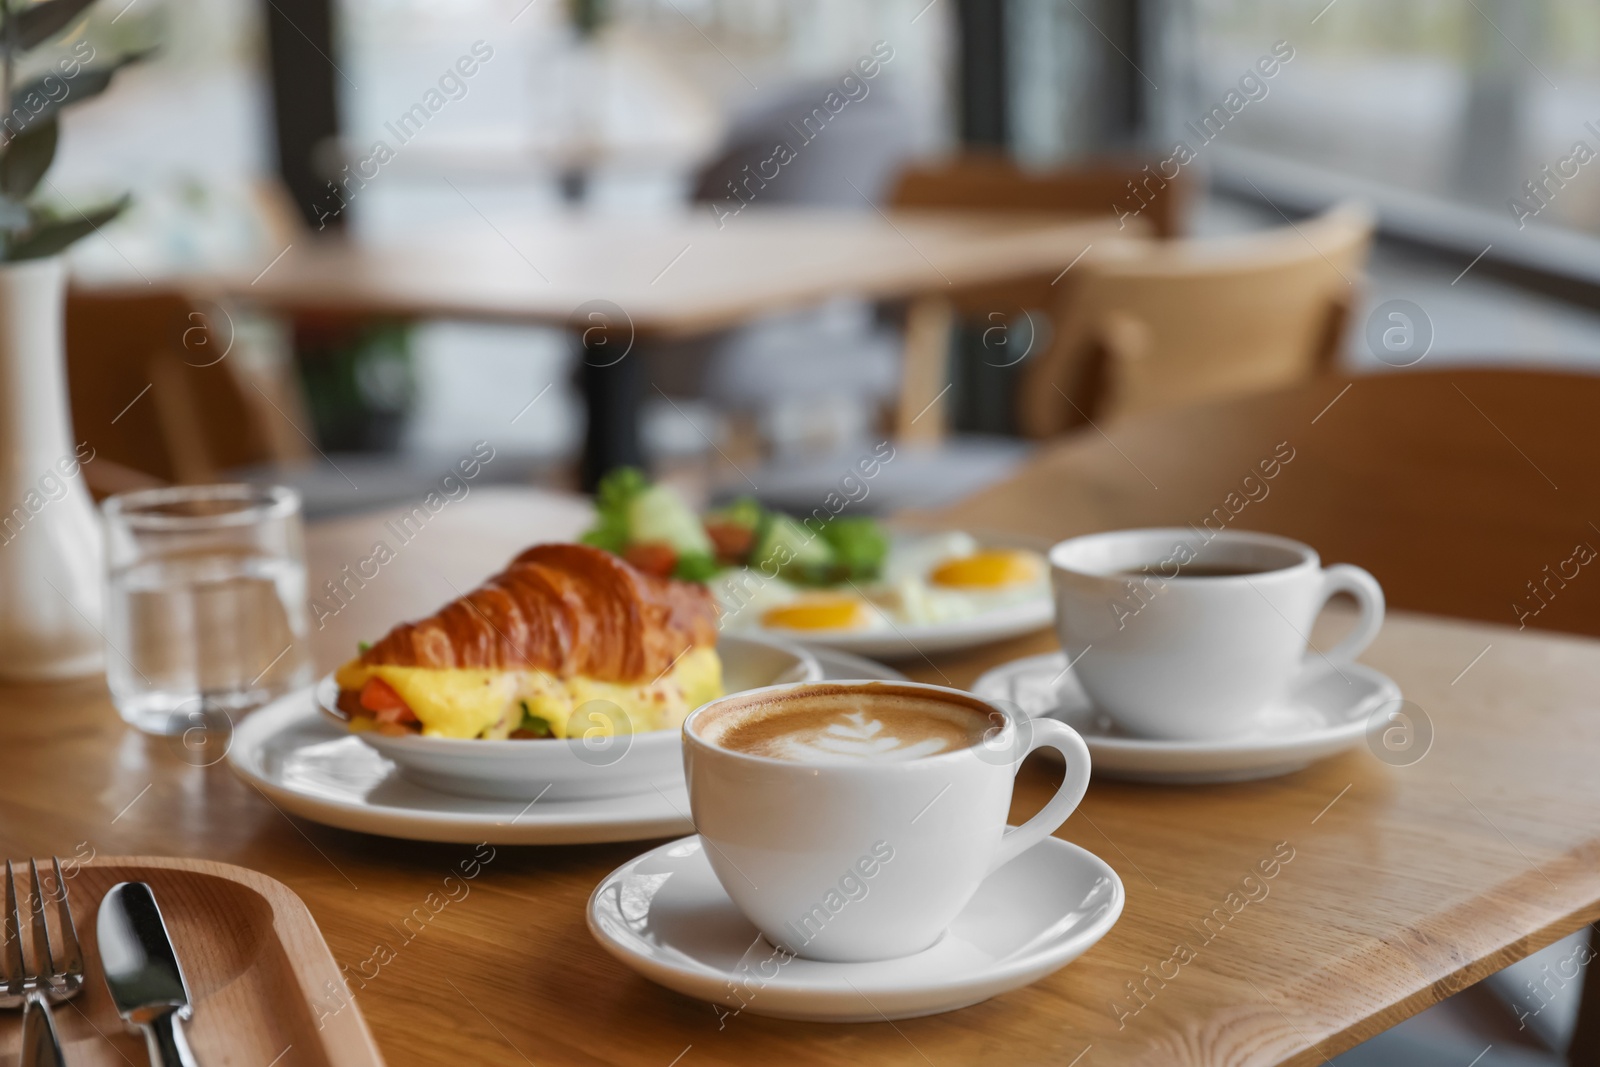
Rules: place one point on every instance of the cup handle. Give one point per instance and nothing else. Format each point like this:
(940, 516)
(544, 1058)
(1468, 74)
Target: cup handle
(1064, 739)
(1345, 578)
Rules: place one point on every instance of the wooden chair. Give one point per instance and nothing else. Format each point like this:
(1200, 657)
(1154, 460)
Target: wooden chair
(990, 183)
(157, 393)
(985, 182)
(1466, 492)
(1145, 327)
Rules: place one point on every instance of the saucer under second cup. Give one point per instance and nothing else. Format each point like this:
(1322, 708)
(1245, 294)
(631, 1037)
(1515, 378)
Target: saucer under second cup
(1327, 710)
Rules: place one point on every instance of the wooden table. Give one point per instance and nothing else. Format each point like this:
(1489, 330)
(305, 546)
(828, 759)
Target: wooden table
(1406, 883)
(618, 281)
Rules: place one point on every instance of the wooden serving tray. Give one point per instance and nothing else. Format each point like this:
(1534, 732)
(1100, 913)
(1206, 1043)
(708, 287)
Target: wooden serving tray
(266, 989)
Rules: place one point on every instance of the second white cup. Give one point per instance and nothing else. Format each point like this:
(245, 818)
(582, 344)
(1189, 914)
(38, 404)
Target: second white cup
(1182, 635)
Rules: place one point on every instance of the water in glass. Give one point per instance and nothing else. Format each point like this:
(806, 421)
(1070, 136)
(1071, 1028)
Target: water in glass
(205, 604)
(214, 631)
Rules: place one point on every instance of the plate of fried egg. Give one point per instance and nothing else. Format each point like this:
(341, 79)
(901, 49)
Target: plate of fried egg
(935, 592)
(845, 582)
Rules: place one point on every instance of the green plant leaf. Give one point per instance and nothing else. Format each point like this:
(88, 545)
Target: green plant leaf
(39, 100)
(26, 158)
(50, 236)
(39, 23)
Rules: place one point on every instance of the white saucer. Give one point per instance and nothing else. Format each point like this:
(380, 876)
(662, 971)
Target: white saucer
(665, 915)
(1326, 712)
(312, 766)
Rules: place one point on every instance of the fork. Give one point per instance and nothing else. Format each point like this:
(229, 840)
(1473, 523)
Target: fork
(34, 988)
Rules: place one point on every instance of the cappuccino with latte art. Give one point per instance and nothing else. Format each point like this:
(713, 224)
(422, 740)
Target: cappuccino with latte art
(803, 792)
(847, 726)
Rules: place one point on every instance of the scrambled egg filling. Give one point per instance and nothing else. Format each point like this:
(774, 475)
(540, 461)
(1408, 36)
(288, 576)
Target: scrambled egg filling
(491, 703)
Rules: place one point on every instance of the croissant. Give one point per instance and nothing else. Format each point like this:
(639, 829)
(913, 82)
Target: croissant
(530, 652)
(567, 609)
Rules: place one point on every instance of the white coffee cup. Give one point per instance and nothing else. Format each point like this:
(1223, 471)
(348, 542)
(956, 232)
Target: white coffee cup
(1170, 654)
(854, 861)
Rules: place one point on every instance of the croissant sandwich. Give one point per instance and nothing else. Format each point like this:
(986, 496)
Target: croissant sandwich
(567, 640)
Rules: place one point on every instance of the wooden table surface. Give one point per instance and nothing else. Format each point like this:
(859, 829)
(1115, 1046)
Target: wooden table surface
(671, 275)
(1405, 883)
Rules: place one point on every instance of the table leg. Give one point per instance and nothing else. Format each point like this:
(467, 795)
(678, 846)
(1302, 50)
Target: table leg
(611, 386)
(1585, 1047)
(920, 415)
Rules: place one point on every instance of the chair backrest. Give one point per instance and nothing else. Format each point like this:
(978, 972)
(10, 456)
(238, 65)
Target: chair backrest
(151, 390)
(1465, 492)
(1148, 326)
(990, 183)
(986, 182)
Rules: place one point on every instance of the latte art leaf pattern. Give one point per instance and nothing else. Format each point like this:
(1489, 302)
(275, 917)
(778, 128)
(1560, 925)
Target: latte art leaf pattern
(855, 736)
(865, 724)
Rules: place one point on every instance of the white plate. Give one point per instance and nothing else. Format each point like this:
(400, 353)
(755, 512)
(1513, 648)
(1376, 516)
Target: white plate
(665, 915)
(907, 640)
(1327, 711)
(574, 768)
(312, 766)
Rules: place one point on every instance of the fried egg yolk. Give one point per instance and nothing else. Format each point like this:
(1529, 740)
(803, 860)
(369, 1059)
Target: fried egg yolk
(819, 612)
(995, 568)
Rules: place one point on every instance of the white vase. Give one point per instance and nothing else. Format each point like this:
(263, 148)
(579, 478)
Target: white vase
(51, 552)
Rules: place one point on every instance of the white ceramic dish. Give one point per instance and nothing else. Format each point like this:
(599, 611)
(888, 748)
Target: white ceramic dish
(312, 766)
(847, 665)
(573, 768)
(1327, 711)
(665, 915)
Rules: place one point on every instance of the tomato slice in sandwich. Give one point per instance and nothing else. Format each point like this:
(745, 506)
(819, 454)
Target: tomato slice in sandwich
(379, 697)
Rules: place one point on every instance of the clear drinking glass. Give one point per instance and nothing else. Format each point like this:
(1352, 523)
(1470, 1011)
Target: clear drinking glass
(205, 602)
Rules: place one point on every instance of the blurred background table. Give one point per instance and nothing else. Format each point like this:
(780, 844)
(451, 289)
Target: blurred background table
(670, 275)
(616, 281)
